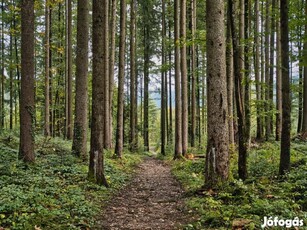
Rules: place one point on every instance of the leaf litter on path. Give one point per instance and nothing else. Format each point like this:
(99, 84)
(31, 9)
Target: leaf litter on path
(152, 200)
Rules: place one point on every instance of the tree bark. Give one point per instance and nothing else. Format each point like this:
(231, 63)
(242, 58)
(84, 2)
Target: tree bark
(272, 66)
(268, 130)
(27, 104)
(96, 163)
(242, 161)
(247, 72)
(193, 74)
(163, 88)
(113, 6)
(69, 128)
(286, 102)
(47, 71)
(178, 107)
(304, 127)
(121, 82)
(11, 76)
(278, 83)
(230, 79)
(257, 74)
(146, 76)
(79, 147)
(184, 76)
(106, 96)
(133, 79)
(217, 157)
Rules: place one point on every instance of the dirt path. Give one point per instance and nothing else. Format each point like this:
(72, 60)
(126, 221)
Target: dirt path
(153, 200)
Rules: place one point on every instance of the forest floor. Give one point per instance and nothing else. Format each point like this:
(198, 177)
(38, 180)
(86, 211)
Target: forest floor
(152, 200)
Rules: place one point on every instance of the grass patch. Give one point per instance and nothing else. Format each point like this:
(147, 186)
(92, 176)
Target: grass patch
(263, 194)
(54, 193)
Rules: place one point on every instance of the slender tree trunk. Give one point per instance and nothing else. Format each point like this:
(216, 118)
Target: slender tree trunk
(257, 74)
(217, 157)
(268, 130)
(47, 71)
(230, 79)
(193, 74)
(203, 94)
(69, 128)
(170, 130)
(300, 94)
(79, 147)
(113, 6)
(286, 102)
(304, 127)
(121, 82)
(278, 83)
(2, 69)
(184, 76)
(51, 104)
(272, 66)
(133, 88)
(242, 161)
(247, 72)
(27, 104)
(11, 76)
(262, 73)
(178, 107)
(107, 139)
(163, 89)
(146, 76)
(96, 164)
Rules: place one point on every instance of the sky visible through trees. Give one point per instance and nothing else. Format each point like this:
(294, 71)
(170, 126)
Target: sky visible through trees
(204, 80)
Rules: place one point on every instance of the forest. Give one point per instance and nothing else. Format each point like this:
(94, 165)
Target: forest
(153, 114)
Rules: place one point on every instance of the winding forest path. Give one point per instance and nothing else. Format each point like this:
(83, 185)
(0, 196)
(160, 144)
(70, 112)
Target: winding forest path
(153, 200)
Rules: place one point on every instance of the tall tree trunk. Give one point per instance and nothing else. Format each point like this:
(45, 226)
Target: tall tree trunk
(121, 82)
(79, 147)
(96, 164)
(272, 66)
(304, 127)
(51, 75)
(69, 128)
(242, 161)
(27, 104)
(203, 94)
(113, 5)
(178, 107)
(257, 74)
(268, 130)
(230, 79)
(11, 76)
(107, 139)
(146, 77)
(247, 72)
(278, 83)
(262, 103)
(163, 88)
(47, 71)
(193, 74)
(170, 130)
(2, 68)
(133, 79)
(217, 157)
(300, 94)
(286, 102)
(184, 76)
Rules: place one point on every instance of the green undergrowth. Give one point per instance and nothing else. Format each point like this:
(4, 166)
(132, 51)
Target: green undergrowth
(54, 193)
(262, 194)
